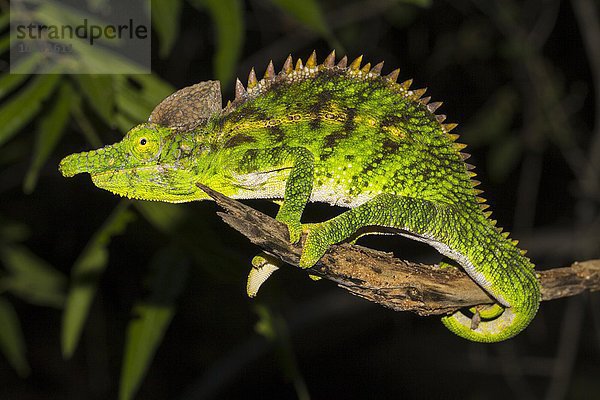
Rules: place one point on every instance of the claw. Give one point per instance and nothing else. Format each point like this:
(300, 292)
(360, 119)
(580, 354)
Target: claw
(295, 231)
(261, 270)
(476, 320)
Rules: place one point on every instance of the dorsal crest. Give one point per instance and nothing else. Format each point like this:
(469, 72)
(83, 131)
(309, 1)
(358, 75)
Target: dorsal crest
(297, 71)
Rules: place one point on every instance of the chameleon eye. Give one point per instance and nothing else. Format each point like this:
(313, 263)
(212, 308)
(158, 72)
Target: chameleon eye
(144, 145)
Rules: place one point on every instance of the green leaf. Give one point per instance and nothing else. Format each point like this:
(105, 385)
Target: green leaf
(137, 102)
(86, 126)
(163, 216)
(11, 338)
(168, 272)
(131, 104)
(99, 92)
(308, 12)
(124, 123)
(4, 43)
(18, 74)
(228, 18)
(165, 21)
(12, 231)
(50, 128)
(153, 88)
(86, 273)
(21, 108)
(273, 327)
(493, 120)
(31, 278)
(504, 157)
(4, 20)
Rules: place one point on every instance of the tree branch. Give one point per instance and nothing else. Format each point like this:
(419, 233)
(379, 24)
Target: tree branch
(397, 284)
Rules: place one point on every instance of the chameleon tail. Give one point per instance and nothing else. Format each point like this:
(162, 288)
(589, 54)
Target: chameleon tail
(506, 325)
(517, 293)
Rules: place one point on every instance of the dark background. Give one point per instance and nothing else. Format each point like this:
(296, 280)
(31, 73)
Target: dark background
(520, 79)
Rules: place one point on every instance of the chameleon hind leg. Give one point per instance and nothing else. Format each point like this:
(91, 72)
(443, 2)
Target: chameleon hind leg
(492, 261)
(420, 217)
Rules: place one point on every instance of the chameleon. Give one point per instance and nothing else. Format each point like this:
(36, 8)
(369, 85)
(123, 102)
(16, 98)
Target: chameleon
(340, 133)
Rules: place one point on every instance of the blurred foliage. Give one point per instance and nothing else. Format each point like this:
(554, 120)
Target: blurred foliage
(511, 72)
(168, 271)
(85, 273)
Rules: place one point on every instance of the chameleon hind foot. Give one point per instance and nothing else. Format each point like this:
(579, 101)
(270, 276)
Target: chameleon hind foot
(316, 244)
(263, 267)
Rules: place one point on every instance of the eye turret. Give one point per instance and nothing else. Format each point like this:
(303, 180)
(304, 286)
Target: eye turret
(145, 143)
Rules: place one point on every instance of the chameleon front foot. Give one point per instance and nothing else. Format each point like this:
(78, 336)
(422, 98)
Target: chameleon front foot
(295, 231)
(263, 267)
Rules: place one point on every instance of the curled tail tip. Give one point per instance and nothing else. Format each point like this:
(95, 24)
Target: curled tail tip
(505, 326)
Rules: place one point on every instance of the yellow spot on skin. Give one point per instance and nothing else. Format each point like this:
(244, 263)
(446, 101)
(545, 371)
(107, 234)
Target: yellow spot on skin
(394, 130)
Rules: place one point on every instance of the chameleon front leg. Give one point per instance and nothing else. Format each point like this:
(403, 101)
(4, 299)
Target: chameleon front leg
(297, 192)
(299, 183)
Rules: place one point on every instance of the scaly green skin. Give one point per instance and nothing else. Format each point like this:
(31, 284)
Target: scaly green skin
(341, 135)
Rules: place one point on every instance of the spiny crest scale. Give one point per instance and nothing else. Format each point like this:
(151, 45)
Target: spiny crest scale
(288, 65)
(434, 106)
(240, 90)
(449, 127)
(376, 70)
(393, 76)
(418, 93)
(255, 87)
(311, 62)
(329, 60)
(270, 71)
(252, 81)
(355, 65)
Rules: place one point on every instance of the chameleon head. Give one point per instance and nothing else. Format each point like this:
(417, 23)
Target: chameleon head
(148, 164)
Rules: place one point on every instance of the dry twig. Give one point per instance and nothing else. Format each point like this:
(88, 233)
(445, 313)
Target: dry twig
(379, 277)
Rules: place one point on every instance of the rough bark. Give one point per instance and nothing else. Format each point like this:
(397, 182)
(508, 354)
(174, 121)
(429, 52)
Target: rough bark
(379, 277)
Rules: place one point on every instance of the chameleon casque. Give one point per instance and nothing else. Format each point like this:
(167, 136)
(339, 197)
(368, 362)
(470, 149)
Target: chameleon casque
(337, 133)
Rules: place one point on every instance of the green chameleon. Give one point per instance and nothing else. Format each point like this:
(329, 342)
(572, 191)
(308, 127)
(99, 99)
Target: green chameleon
(337, 133)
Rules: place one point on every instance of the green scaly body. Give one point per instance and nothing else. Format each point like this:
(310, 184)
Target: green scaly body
(338, 134)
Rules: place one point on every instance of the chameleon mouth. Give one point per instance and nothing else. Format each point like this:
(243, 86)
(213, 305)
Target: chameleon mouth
(144, 183)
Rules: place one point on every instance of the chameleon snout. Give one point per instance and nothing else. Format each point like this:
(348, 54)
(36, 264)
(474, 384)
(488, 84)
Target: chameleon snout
(71, 165)
(95, 161)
